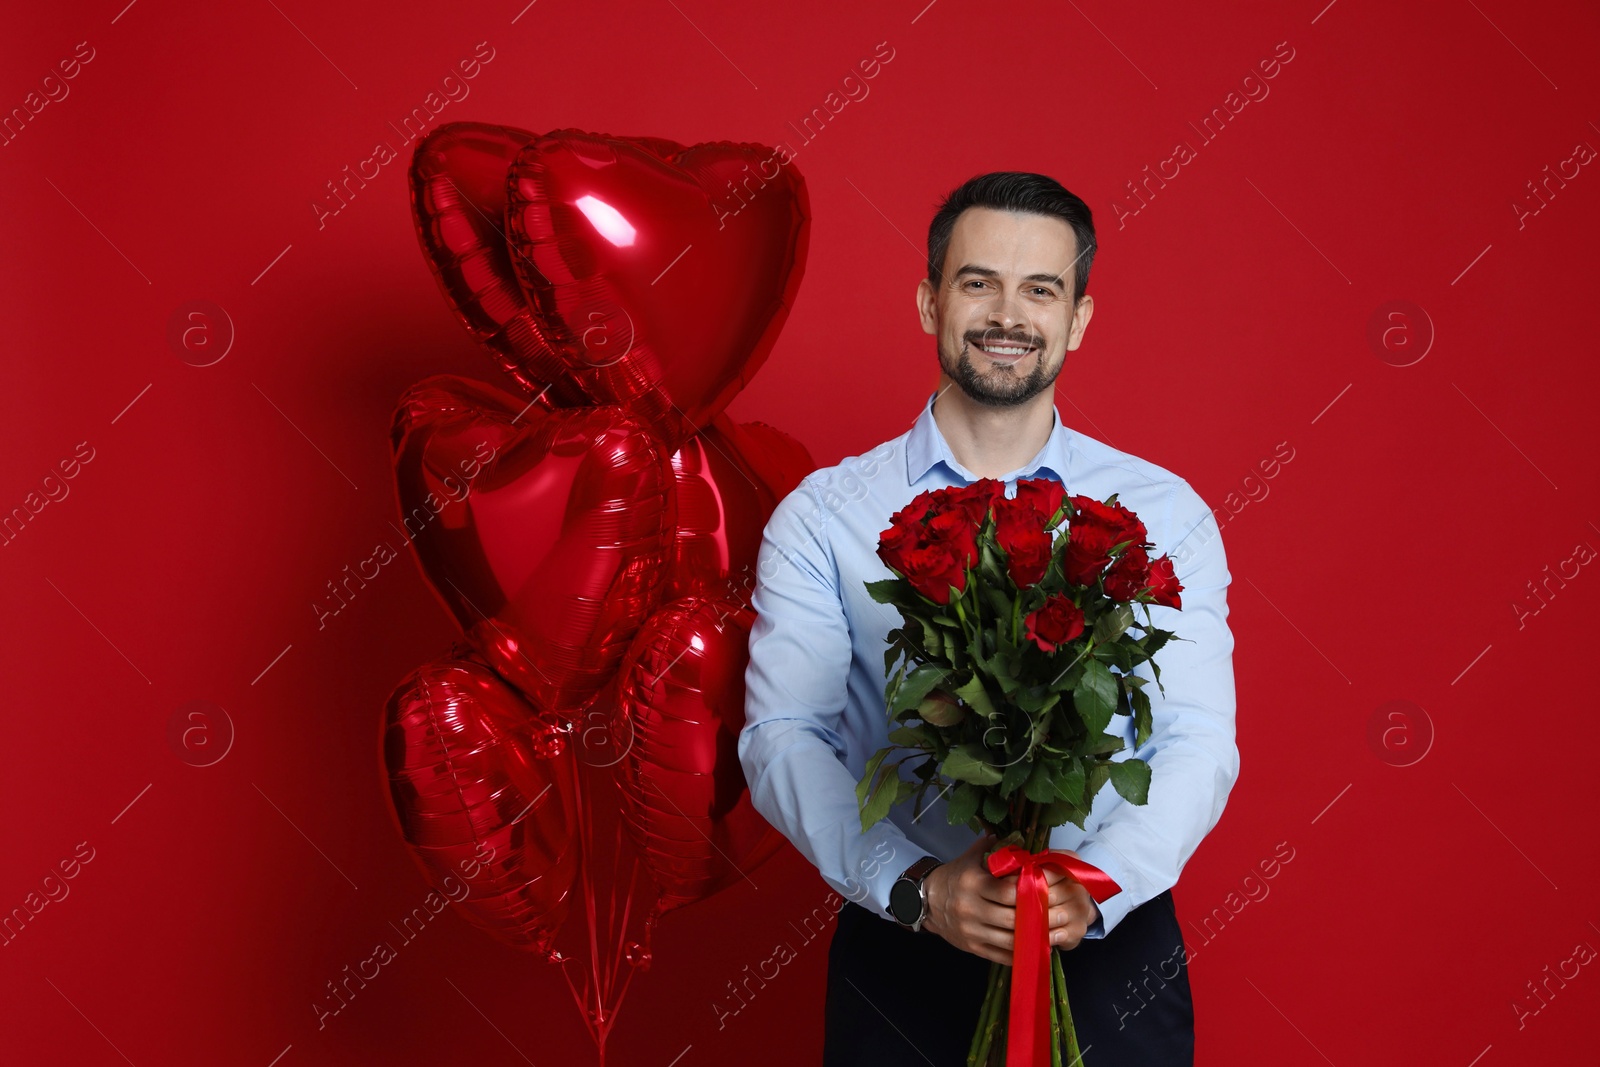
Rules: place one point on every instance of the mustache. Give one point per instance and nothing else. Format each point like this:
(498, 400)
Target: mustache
(979, 339)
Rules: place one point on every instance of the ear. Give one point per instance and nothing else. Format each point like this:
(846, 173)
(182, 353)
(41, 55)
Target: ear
(927, 306)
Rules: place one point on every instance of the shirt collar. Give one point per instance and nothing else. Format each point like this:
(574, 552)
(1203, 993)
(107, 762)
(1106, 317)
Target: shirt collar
(926, 448)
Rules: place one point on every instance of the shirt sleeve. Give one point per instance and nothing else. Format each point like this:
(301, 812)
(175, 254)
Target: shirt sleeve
(791, 747)
(1192, 752)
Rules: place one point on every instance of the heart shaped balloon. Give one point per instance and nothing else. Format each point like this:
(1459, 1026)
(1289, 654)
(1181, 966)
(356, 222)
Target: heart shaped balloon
(680, 695)
(458, 202)
(545, 533)
(485, 796)
(660, 275)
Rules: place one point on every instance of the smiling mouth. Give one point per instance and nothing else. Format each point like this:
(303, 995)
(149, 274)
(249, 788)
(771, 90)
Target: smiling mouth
(1007, 352)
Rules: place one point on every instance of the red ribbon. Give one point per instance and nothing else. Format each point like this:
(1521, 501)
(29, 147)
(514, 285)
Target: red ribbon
(1028, 1026)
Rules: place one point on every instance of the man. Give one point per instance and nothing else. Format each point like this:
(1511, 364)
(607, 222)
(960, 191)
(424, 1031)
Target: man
(1008, 263)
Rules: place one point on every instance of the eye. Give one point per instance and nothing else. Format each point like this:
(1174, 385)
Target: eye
(976, 281)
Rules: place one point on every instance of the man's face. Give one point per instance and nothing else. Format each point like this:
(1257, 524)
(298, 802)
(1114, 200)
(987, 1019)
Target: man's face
(1004, 318)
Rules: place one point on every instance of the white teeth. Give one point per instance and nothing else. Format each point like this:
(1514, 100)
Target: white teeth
(1005, 350)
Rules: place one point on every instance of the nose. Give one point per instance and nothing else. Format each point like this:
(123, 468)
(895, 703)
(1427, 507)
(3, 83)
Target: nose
(1006, 313)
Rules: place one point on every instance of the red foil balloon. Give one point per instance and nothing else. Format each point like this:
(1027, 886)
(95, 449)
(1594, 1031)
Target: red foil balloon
(680, 696)
(458, 204)
(661, 275)
(728, 479)
(545, 533)
(471, 773)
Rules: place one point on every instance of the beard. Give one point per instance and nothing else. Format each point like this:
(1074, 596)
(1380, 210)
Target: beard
(996, 386)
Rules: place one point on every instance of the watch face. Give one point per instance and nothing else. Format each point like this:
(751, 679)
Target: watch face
(905, 901)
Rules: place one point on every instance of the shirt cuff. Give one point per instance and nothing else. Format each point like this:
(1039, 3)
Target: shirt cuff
(1116, 906)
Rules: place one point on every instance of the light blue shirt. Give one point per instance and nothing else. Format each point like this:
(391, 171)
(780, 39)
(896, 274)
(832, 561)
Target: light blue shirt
(815, 709)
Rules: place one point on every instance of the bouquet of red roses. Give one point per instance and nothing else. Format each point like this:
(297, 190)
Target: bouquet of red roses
(1017, 646)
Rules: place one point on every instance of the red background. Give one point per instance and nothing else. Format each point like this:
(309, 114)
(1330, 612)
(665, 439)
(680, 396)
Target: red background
(1382, 563)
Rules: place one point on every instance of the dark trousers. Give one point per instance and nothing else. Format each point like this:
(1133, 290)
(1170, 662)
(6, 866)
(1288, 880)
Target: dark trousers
(896, 997)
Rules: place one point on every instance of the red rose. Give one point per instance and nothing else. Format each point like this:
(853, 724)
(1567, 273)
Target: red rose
(1114, 518)
(1164, 587)
(1088, 551)
(1056, 621)
(1020, 533)
(976, 499)
(1044, 495)
(1128, 577)
(933, 540)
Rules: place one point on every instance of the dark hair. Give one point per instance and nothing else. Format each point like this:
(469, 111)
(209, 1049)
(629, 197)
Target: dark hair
(1011, 190)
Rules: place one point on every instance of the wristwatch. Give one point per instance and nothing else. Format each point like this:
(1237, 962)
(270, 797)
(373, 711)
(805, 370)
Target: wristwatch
(908, 897)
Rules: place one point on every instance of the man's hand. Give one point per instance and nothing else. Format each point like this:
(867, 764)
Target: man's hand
(977, 912)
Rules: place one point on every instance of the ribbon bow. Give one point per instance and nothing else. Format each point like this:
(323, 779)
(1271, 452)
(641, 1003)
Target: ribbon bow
(1028, 1026)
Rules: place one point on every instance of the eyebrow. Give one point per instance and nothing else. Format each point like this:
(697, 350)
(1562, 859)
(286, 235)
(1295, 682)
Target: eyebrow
(989, 272)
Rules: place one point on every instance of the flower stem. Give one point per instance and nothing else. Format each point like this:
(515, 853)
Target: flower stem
(975, 1053)
(1069, 1032)
(1055, 1022)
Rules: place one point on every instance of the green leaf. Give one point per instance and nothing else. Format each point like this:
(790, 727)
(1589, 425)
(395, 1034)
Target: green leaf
(866, 775)
(1069, 783)
(1106, 744)
(1113, 624)
(1141, 717)
(976, 696)
(963, 803)
(909, 737)
(1095, 696)
(970, 763)
(937, 712)
(1015, 775)
(1040, 787)
(897, 648)
(884, 794)
(890, 590)
(994, 809)
(921, 682)
(1099, 774)
(1131, 778)
(1155, 640)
